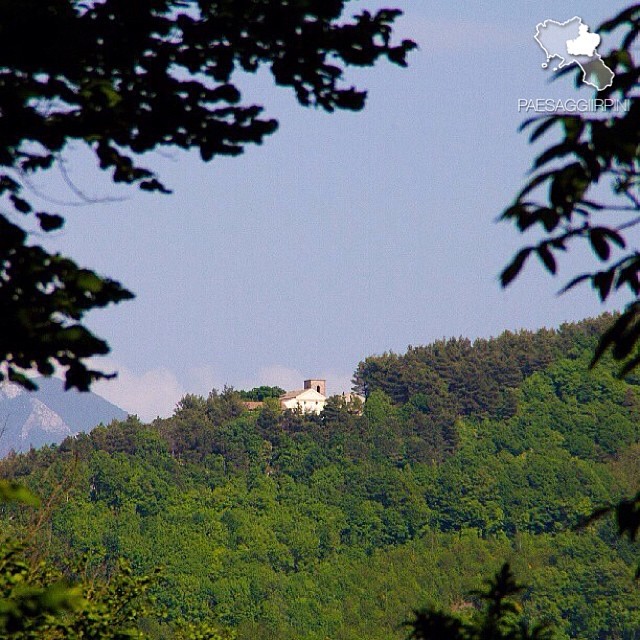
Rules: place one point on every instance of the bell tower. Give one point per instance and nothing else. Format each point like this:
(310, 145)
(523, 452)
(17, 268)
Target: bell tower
(317, 385)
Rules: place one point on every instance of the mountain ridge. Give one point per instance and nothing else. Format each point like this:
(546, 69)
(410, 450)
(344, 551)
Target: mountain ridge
(48, 415)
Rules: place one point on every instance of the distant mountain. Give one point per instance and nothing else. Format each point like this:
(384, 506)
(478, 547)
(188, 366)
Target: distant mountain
(48, 415)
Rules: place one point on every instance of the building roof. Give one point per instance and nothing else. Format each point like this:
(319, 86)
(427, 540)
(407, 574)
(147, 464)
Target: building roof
(309, 394)
(292, 394)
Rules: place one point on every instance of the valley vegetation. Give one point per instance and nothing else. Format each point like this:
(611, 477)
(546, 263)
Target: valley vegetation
(269, 524)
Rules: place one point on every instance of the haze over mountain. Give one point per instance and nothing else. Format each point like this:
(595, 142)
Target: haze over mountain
(48, 415)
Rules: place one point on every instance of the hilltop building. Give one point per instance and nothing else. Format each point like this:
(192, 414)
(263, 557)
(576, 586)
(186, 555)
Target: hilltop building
(311, 399)
(353, 402)
(352, 397)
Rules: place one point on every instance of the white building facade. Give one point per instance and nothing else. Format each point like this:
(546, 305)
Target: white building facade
(311, 399)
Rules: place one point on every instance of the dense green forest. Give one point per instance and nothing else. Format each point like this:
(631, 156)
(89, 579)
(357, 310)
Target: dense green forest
(281, 525)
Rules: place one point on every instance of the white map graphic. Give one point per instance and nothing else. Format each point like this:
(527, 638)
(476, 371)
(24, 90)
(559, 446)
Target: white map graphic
(585, 44)
(572, 43)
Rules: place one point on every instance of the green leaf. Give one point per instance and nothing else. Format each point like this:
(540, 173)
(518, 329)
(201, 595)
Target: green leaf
(603, 282)
(545, 255)
(599, 243)
(20, 204)
(14, 492)
(50, 221)
(548, 122)
(514, 268)
(557, 151)
(89, 281)
(574, 282)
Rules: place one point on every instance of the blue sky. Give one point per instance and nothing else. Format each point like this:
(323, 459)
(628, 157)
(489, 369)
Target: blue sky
(344, 235)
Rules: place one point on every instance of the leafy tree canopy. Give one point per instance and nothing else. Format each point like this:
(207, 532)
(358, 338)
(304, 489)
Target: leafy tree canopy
(584, 189)
(124, 79)
(281, 518)
(258, 394)
(498, 620)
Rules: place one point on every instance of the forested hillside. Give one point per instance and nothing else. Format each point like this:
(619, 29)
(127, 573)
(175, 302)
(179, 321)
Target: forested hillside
(280, 525)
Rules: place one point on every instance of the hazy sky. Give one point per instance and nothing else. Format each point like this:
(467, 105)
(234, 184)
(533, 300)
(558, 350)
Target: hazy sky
(344, 235)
